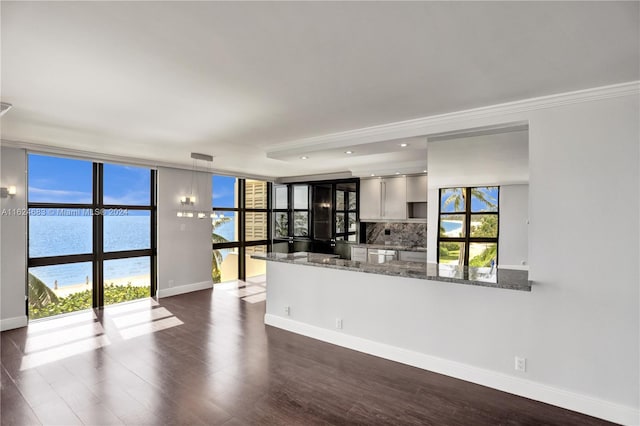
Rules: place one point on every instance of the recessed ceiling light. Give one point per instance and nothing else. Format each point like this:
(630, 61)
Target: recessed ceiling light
(424, 171)
(404, 145)
(397, 173)
(373, 174)
(348, 152)
(304, 157)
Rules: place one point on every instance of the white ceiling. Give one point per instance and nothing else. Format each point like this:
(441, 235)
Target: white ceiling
(158, 80)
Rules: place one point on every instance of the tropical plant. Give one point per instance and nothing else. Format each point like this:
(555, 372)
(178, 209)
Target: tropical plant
(456, 196)
(484, 259)
(301, 224)
(488, 227)
(83, 300)
(40, 295)
(216, 258)
(281, 225)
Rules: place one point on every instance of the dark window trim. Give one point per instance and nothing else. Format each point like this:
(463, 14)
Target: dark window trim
(467, 213)
(98, 255)
(291, 238)
(242, 243)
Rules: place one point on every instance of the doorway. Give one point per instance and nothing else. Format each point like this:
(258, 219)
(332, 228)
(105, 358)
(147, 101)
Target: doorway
(320, 217)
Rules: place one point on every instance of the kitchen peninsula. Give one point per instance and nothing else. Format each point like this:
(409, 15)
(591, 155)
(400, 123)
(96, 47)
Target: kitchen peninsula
(487, 277)
(435, 317)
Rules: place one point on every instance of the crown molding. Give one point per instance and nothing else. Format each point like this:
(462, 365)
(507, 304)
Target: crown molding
(425, 126)
(119, 159)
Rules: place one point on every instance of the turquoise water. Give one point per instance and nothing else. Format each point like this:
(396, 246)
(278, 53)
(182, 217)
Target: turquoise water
(63, 235)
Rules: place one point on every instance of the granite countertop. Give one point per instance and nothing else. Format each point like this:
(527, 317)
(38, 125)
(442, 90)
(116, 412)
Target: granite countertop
(391, 247)
(498, 278)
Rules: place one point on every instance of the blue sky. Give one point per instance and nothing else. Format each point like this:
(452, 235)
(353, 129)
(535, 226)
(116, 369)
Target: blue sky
(223, 191)
(64, 180)
(490, 192)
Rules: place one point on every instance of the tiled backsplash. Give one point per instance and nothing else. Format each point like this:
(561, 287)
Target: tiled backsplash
(407, 234)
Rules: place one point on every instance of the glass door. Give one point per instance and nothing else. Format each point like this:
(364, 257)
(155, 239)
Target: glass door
(346, 218)
(319, 217)
(282, 238)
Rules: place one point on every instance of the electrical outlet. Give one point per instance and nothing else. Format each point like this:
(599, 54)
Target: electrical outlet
(521, 364)
(287, 310)
(339, 323)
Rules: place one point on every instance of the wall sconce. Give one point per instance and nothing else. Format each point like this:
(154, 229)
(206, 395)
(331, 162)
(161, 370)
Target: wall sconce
(11, 191)
(188, 200)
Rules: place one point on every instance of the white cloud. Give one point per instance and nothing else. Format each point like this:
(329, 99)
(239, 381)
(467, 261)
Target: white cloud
(58, 195)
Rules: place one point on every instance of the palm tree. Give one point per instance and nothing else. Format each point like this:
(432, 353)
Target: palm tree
(457, 198)
(40, 295)
(216, 259)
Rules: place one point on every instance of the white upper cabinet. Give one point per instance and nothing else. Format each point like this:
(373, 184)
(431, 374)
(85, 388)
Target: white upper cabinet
(370, 199)
(395, 198)
(417, 189)
(383, 198)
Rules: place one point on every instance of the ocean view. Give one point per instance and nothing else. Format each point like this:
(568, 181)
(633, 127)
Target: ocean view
(63, 235)
(451, 225)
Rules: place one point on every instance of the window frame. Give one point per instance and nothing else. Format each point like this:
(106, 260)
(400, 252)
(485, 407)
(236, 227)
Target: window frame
(98, 256)
(294, 210)
(467, 212)
(346, 211)
(242, 244)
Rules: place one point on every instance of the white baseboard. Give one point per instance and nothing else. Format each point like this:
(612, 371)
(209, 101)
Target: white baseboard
(540, 392)
(15, 322)
(188, 288)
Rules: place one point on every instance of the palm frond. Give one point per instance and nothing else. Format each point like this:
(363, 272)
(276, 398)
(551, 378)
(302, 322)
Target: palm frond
(219, 221)
(456, 197)
(217, 258)
(484, 197)
(216, 238)
(40, 294)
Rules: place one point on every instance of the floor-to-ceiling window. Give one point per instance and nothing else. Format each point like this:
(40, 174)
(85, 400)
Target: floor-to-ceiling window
(91, 234)
(256, 225)
(240, 227)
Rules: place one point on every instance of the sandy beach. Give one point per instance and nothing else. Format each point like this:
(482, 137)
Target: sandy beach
(138, 281)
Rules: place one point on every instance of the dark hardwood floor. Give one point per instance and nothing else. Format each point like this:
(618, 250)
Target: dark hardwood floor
(207, 358)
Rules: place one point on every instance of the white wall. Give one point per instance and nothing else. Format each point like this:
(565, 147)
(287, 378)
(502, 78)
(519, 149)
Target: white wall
(184, 244)
(514, 232)
(579, 327)
(13, 240)
(493, 159)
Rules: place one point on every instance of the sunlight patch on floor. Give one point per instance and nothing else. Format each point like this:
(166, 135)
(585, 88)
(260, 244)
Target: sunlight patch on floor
(62, 337)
